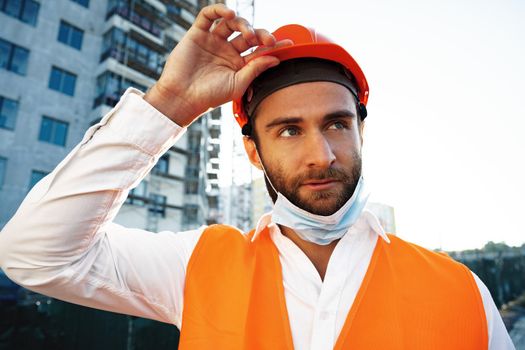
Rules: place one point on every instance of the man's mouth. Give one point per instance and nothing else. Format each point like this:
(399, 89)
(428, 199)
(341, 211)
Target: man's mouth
(320, 184)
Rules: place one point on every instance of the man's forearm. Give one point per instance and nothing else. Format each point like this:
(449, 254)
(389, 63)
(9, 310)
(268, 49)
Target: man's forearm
(60, 218)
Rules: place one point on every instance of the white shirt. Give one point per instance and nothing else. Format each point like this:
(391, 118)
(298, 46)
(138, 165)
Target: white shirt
(63, 242)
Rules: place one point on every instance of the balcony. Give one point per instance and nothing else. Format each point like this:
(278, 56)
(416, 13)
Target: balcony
(134, 61)
(213, 151)
(142, 40)
(176, 5)
(215, 162)
(174, 13)
(212, 122)
(167, 175)
(215, 131)
(108, 99)
(141, 14)
(134, 51)
(212, 168)
(143, 8)
(216, 114)
(192, 173)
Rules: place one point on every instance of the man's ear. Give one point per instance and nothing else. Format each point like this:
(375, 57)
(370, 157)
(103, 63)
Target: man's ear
(251, 151)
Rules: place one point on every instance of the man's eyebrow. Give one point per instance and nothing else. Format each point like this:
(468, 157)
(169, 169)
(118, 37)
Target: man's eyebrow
(343, 113)
(283, 121)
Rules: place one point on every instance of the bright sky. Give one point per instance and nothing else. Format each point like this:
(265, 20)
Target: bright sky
(445, 135)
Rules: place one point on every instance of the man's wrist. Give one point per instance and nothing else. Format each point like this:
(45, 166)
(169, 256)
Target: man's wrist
(176, 109)
(139, 123)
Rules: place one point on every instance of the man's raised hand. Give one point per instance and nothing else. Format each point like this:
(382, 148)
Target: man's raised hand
(206, 70)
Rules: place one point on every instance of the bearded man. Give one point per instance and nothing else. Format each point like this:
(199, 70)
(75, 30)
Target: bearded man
(318, 272)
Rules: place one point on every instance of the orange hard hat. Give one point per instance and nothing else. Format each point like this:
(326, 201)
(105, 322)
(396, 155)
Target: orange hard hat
(309, 43)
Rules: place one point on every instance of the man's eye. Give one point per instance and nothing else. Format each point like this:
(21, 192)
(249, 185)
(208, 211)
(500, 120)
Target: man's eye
(288, 132)
(337, 125)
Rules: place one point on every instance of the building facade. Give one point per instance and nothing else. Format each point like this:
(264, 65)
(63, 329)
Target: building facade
(63, 65)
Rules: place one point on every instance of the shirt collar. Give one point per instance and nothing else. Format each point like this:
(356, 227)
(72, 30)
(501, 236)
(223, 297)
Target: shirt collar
(367, 218)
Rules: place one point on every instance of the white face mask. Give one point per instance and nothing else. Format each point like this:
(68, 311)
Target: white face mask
(319, 229)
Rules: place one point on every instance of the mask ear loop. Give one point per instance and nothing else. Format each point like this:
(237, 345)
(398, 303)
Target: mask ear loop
(264, 170)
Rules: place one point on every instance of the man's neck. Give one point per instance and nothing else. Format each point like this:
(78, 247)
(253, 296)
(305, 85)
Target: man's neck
(319, 255)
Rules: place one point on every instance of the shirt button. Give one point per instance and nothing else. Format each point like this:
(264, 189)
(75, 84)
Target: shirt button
(324, 315)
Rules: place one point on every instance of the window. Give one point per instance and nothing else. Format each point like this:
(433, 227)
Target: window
(110, 86)
(194, 140)
(194, 160)
(84, 3)
(114, 40)
(163, 164)
(3, 169)
(24, 10)
(36, 175)
(70, 35)
(192, 172)
(173, 9)
(13, 57)
(124, 48)
(137, 195)
(124, 9)
(192, 186)
(158, 204)
(8, 112)
(63, 81)
(191, 214)
(53, 131)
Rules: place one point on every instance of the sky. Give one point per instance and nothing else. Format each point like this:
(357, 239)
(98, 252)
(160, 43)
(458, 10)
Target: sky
(444, 141)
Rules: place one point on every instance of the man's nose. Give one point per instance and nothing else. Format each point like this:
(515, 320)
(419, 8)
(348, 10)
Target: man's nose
(319, 151)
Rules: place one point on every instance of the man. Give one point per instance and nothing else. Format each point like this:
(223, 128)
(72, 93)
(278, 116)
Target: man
(317, 273)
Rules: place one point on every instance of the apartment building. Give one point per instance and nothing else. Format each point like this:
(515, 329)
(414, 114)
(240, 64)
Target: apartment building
(63, 65)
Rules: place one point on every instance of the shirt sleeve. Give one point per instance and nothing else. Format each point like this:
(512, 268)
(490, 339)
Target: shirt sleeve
(499, 338)
(62, 240)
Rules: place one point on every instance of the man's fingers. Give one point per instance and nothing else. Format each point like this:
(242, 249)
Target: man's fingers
(263, 36)
(251, 70)
(225, 28)
(209, 14)
(260, 50)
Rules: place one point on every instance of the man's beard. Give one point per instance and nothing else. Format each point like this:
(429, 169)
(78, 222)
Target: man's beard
(314, 201)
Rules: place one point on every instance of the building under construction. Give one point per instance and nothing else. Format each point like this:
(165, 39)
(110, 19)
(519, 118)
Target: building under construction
(63, 65)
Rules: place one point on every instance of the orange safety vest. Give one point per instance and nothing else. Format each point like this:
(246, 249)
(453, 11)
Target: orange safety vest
(410, 298)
